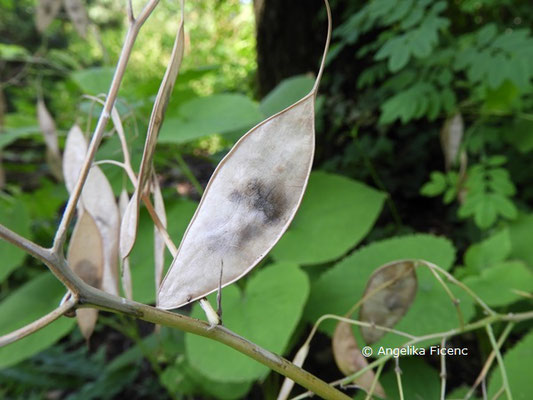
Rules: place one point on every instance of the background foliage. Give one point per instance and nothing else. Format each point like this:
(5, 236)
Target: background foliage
(394, 178)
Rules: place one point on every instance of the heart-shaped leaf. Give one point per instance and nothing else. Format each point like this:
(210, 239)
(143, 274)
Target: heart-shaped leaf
(335, 215)
(266, 313)
(389, 293)
(21, 308)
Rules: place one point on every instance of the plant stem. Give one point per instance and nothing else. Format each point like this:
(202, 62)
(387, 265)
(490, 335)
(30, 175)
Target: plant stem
(501, 364)
(90, 296)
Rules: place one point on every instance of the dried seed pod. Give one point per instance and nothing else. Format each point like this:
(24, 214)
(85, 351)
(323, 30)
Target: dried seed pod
(78, 16)
(45, 13)
(389, 293)
(131, 216)
(451, 136)
(349, 359)
(126, 270)
(48, 127)
(86, 258)
(98, 200)
(159, 241)
(248, 204)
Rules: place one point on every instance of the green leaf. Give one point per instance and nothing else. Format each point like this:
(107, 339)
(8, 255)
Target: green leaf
(289, 91)
(180, 378)
(420, 381)
(15, 217)
(335, 215)
(485, 212)
(490, 251)
(179, 214)
(435, 186)
(266, 313)
(520, 135)
(521, 232)
(27, 304)
(504, 206)
(94, 80)
(204, 116)
(518, 368)
(338, 289)
(495, 285)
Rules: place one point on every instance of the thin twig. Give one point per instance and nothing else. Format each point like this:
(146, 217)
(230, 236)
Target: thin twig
(501, 364)
(131, 36)
(443, 371)
(398, 373)
(21, 242)
(374, 382)
(38, 324)
(490, 360)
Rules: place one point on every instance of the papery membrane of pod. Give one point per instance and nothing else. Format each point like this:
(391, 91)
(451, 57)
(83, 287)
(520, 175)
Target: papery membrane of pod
(349, 359)
(73, 156)
(48, 127)
(78, 16)
(451, 136)
(248, 204)
(389, 293)
(159, 242)
(156, 119)
(86, 258)
(45, 13)
(126, 270)
(97, 199)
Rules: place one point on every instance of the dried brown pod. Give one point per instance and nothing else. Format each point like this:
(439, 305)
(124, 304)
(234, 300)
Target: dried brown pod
(389, 293)
(48, 128)
(73, 156)
(131, 216)
(248, 204)
(349, 359)
(86, 258)
(45, 13)
(78, 16)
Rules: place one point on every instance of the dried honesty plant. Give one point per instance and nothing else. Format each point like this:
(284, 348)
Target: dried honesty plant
(249, 203)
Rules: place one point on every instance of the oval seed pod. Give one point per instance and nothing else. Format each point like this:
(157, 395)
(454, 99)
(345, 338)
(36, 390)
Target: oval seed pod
(127, 286)
(349, 359)
(98, 200)
(86, 258)
(248, 204)
(78, 16)
(159, 241)
(45, 13)
(48, 127)
(389, 293)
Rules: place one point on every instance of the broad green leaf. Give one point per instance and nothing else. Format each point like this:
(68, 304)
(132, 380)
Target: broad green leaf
(518, 367)
(490, 251)
(204, 116)
(15, 217)
(335, 215)
(338, 289)
(180, 378)
(94, 80)
(521, 232)
(266, 313)
(286, 93)
(142, 256)
(485, 212)
(419, 381)
(495, 285)
(13, 52)
(33, 300)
